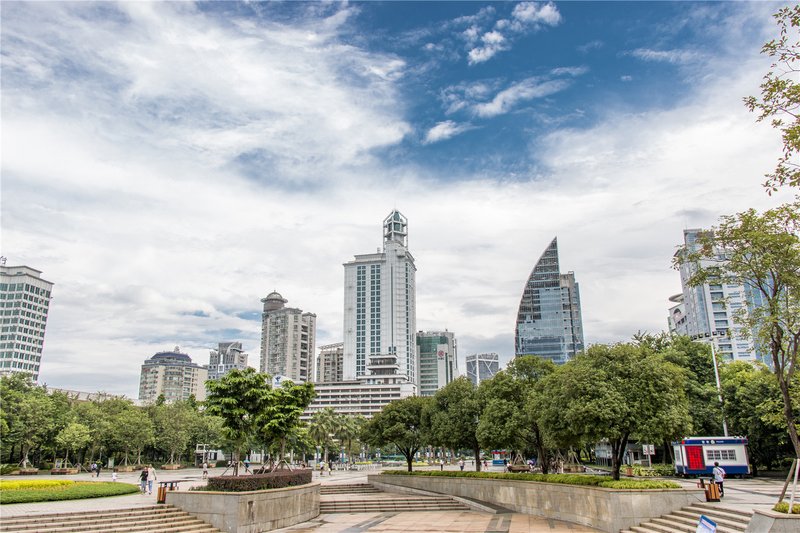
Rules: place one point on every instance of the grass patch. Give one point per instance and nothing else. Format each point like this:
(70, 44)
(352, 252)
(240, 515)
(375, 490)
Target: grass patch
(45, 491)
(783, 507)
(564, 479)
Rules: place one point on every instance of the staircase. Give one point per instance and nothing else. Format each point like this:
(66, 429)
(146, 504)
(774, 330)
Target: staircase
(161, 518)
(686, 520)
(364, 498)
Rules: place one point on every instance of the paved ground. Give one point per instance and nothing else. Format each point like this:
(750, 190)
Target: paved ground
(760, 493)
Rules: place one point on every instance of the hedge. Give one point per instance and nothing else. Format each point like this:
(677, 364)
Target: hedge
(783, 507)
(273, 480)
(73, 491)
(13, 484)
(565, 479)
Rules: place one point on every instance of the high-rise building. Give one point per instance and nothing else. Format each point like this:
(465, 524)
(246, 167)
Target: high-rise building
(329, 363)
(226, 357)
(549, 322)
(482, 366)
(24, 303)
(438, 360)
(287, 340)
(709, 309)
(380, 304)
(174, 375)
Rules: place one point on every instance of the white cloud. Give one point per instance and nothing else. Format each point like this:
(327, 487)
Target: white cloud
(524, 90)
(626, 78)
(493, 42)
(666, 56)
(569, 71)
(537, 13)
(445, 130)
(591, 45)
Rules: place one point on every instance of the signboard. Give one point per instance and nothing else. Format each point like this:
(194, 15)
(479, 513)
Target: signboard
(649, 449)
(694, 458)
(706, 525)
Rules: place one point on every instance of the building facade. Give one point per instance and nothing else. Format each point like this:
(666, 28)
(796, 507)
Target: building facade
(24, 305)
(287, 340)
(549, 323)
(482, 366)
(380, 304)
(329, 363)
(226, 357)
(174, 375)
(438, 360)
(709, 310)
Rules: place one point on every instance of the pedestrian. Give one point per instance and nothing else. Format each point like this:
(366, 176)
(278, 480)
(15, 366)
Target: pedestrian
(247, 465)
(505, 465)
(94, 468)
(719, 477)
(441, 464)
(322, 466)
(99, 467)
(143, 480)
(151, 476)
(205, 470)
(461, 464)
(114, 475)
(485, 464)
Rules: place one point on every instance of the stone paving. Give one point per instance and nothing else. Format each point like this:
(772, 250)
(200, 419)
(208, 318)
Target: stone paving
(760, 493)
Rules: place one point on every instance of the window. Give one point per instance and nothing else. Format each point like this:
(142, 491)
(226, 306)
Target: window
(721, 455)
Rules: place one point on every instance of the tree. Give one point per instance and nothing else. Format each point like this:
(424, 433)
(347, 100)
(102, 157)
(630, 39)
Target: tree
(780, 97)
(753, 408)
(509, 420)
(453, 416)
(135, 431)
(322, 425)
(399, 423)
(348, 430)
(75, 436)
(173, 428)
(762, 253)
(237, 398)
(613, 393)
(280, 414)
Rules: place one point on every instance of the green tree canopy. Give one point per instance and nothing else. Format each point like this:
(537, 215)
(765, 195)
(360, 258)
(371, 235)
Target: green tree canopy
(453, 416)
(614, 393)
(73, 437)
(399, 423)
(279, 415)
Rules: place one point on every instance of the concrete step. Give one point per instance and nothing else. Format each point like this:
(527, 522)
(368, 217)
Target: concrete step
(722, 508)
(685, 520)
(722, 519)
(162, 518)
(355, 488)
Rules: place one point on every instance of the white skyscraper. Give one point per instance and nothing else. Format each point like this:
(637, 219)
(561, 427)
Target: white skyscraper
(707, 311)
(380, 304)
(24, 302)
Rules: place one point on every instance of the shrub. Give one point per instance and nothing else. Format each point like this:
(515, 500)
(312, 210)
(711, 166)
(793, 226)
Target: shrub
(7, 469)
(13, 484)
(45, 466)
(222, 463)
(783, 507)
(273, 480)
(565, 479)
(74, 491)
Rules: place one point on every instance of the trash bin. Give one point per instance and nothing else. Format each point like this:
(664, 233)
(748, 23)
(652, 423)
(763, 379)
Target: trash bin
(162, 494)
(711, 489)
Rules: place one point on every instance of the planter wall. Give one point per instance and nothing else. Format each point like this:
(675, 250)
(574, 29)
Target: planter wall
(772, 522)
(609, 510)
(253, 511)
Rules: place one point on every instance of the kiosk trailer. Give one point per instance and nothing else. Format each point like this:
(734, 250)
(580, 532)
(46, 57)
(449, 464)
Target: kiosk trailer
(695, 456)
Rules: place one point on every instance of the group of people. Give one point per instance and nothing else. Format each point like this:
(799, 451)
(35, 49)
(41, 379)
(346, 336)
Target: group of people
(146, 479)
(325, 467)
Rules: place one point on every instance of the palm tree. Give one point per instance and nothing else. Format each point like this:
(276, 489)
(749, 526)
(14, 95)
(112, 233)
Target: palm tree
(321, 427)
(349, 428)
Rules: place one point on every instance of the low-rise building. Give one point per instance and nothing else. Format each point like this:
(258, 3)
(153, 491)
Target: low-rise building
(174, 375)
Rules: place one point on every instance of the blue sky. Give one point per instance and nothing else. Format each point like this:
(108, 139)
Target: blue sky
(167, 165)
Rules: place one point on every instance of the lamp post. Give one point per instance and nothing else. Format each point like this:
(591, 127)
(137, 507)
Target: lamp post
(716, 376)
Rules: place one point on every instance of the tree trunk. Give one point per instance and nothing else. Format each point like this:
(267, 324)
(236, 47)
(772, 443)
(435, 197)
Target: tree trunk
(618, 447)
(409, 460)
(788, 413)
(544, 461)
(477, 450)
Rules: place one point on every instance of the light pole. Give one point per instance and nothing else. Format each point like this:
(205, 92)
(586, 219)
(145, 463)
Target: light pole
(716, 376)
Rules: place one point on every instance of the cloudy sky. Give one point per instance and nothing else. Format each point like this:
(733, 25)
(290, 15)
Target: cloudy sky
(167, 165)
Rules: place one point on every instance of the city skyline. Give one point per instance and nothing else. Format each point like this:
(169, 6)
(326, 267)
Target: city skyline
(168, 164)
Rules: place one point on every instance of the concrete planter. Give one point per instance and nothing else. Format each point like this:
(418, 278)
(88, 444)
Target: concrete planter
(252, 511)
(773, 522)
(27, 472)
(64, 471)
(171, 467)
(609, 510)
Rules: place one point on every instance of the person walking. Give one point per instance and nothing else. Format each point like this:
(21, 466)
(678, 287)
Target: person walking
(94, 468)
(461, 464)
(114, 475)
(143, 480)
(719, 477)
(151, 476)
(441, 464)
(247, 465)
(205, 470)
(99, 467)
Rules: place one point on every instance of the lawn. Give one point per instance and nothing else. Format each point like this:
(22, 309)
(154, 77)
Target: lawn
(28, 491)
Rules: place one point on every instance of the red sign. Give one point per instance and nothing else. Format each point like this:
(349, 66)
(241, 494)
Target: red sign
(694, 458)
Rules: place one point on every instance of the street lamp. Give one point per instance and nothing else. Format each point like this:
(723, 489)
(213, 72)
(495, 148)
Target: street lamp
(716, 374)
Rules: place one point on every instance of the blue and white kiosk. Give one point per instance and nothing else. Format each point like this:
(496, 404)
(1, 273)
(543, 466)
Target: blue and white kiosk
(695, 456)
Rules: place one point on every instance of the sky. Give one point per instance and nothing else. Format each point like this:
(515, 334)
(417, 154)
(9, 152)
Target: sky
(167, 165)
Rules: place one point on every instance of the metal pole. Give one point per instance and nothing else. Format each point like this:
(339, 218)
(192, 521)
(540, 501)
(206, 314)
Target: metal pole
(719, 389)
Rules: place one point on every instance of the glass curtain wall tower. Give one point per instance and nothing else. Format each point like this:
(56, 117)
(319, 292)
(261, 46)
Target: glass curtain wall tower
(549, 322)
(380, 304)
